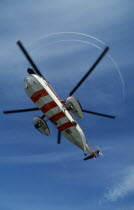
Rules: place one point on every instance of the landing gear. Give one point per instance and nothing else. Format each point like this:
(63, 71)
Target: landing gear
(74, 106)
(69, 106)
(85, 153)
(41, 125)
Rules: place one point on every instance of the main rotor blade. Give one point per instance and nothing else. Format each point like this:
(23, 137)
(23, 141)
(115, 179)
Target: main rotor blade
(99, 114)
(25, 52)
(90, 70)
(20, 110)
(59, 137)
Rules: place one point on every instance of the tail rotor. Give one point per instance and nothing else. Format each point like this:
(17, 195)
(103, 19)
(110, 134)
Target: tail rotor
(99, 152)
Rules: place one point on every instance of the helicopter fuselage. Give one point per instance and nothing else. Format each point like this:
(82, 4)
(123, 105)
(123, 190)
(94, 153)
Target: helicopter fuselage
(56, 110)
(42, 94)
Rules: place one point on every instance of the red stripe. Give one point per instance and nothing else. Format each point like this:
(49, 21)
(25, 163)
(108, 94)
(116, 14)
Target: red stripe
(39, 94)
(48, 106)
(91, 149)
(65, 126)
(57, 116)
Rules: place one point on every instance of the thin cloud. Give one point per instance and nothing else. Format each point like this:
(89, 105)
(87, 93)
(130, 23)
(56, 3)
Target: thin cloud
(121, 189)
(37, 159)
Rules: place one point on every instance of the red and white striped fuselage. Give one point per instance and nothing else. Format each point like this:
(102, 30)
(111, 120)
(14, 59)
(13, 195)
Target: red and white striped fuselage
(48, 102)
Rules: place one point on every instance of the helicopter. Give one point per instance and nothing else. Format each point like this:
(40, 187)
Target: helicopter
(58, 112)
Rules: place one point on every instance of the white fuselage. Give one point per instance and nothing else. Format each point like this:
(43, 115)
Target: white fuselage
(48, 102)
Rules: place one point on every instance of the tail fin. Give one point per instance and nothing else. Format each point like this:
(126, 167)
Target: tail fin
(94, 155)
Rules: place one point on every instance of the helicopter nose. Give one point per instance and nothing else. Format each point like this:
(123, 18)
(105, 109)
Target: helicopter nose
(29, 84)
(27, 81)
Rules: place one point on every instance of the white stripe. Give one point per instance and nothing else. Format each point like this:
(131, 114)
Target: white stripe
(44, 100)
(52, 112)
(61, 121)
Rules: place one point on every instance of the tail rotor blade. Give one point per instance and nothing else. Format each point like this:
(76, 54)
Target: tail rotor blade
(90, 70)
(100, 151)
(102, 154)
(59, 137)
(25, 52)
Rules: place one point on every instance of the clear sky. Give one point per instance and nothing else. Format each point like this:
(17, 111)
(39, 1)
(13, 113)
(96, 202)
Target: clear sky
(35, 172)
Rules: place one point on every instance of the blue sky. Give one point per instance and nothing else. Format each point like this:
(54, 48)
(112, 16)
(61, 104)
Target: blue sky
(35, 172)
